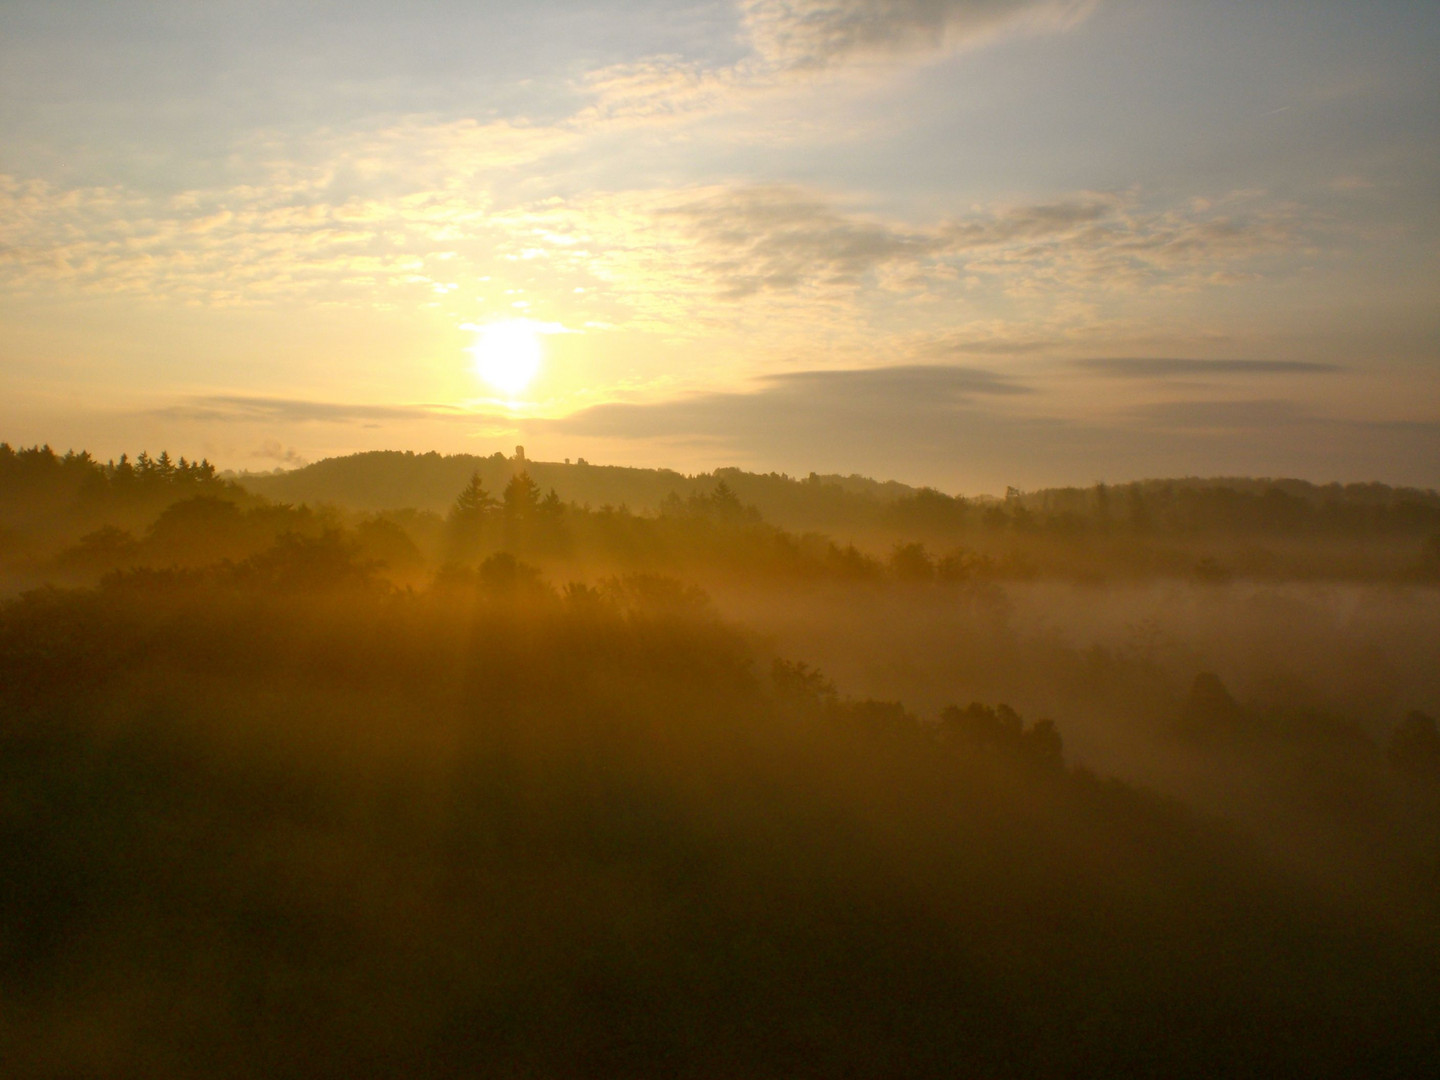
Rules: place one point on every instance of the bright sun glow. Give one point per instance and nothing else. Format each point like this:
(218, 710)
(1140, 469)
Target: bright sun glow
(507, 354)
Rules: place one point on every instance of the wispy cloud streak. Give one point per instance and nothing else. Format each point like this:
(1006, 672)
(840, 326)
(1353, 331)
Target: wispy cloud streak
(811, 34)
(1164, 367)
(228, 408)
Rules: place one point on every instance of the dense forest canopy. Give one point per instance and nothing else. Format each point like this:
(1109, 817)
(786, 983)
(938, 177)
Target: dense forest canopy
(748, 523)
(1136, 779)
(382, 480)
(589, 831)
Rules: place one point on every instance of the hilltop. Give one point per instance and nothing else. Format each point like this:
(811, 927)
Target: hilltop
(394, 480)
(386, 480)
(73, 511)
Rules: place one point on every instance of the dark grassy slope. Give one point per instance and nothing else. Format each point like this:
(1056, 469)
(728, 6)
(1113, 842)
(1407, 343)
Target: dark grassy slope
(282, 821)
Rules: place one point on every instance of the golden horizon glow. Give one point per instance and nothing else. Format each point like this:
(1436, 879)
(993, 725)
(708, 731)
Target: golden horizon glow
(508, 354)
(744, 232)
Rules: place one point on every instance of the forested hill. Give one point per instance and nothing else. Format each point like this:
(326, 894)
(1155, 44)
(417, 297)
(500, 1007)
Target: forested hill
(387, 480)
(390, 480)
(50, 501)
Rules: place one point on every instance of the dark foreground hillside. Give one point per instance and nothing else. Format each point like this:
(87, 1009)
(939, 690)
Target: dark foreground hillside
(278, 819)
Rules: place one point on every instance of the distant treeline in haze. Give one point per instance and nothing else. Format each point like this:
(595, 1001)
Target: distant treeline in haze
(386, 480)
(410, 510)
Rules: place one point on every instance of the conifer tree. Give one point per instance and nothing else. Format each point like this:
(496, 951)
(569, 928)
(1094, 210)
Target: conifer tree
(521, 496)
(466, 521)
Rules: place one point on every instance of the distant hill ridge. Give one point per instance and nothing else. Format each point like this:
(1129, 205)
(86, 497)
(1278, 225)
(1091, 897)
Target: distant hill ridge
(394, 479)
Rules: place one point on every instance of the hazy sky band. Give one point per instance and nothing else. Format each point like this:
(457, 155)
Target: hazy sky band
(1234, 207)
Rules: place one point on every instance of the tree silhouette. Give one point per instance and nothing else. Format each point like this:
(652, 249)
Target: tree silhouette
(466, 520)
(503, 575)
(473, 500)
(725, 502)
(520, 504)
(521, 496)
(911, 562)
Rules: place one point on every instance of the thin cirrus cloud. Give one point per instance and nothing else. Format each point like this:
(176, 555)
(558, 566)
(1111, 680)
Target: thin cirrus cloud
(1136, 367)
(908, 385)
(790, 39)
(680, 259)
(755, 238)
(779, 238)
(956, 423)
(235, 408)
(863, 403)
(821, 33)
(699, 251)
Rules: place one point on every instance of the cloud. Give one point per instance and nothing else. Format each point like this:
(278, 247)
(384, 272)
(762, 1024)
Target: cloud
(1162, 367)
(274, 450)
(751, 239)
(766, 238)
(867, 406)
(799, 271)
(872, 398)
(664, 88)
(969, 429)
(1211, 415)
(810, 34)
(1032, 223)
(791, 41)
(1112, 243)
(913, 386)
(778, 255)
(235, 408)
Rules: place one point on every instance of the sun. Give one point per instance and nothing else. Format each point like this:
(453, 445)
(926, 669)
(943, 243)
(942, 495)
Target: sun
(507, 354)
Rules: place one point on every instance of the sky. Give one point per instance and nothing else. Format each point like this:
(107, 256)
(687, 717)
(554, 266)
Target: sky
(963, 243)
